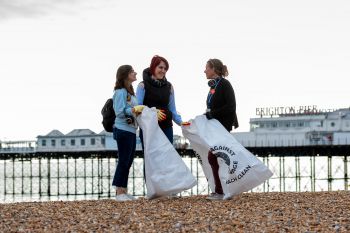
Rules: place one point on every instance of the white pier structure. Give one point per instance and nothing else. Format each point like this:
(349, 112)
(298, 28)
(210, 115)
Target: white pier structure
(289, 128)
(305, 128)
(17, 147)
(77, 140)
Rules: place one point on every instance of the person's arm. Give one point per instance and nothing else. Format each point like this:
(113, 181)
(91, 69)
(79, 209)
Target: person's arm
(140, 93)
(119, 104)
(172, 107)
(229, 106)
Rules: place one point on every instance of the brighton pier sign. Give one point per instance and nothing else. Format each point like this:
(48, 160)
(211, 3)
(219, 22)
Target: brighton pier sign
(291, 110)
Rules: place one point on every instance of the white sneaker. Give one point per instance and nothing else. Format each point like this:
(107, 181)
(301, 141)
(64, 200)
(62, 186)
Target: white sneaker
(215, 196)
(123, 197)
(131, 197)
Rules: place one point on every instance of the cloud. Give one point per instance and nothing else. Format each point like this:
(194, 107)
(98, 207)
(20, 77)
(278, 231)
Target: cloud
(36, 8)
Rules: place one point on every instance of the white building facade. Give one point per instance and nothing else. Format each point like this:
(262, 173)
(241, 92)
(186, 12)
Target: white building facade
(76, 140)
(301, 129)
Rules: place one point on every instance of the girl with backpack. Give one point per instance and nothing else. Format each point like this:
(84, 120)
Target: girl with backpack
(124, 128)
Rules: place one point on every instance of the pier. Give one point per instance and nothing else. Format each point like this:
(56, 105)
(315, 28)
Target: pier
(29, 175)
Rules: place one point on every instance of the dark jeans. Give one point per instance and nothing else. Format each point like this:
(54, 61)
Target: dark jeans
(213, 161)
(126, 142)
(168, 133)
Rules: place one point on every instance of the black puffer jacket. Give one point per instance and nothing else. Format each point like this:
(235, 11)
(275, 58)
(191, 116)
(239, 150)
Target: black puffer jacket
(157, 94)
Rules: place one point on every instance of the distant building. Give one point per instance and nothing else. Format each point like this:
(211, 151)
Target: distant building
(305, 128)
(76, 140)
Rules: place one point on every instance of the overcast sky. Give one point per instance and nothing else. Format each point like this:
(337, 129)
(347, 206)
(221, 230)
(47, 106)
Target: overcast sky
(58, 59)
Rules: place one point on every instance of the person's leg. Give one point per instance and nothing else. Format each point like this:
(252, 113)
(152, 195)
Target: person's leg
(169, 133)
(131, 159)
(133, 148)
(125, 149)
(213, 161)
(119, 190)
(131, 155)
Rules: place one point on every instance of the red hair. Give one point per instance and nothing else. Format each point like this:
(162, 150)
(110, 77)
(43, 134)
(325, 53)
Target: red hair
(156, 60)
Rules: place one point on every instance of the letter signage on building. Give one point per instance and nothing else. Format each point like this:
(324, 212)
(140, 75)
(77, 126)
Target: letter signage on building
(291, 110)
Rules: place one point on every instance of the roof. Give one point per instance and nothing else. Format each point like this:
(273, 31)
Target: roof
(104, 132)
(81, 132)
(54, 133)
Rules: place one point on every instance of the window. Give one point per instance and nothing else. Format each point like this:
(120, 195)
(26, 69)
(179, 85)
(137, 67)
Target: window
(43, 142)
(63, 142)
(332, 124)
(274, 124)
(300, 124)
(82, 142)
(92, 141)
(287, 124)
(53, 142)
(321, 124)
(72, 142)
(103, 141)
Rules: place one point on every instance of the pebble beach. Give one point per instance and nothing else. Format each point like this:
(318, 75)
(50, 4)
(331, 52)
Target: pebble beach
(248, 212)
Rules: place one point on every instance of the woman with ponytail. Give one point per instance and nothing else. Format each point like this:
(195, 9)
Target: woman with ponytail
(221, 105)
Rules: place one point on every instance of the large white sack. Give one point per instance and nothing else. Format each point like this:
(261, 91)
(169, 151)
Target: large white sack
(239, 170)
(166, 172)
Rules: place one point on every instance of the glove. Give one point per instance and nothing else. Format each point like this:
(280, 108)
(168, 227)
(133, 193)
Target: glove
(208, 115)
(185, 123)
(161, 115)
(138, 109)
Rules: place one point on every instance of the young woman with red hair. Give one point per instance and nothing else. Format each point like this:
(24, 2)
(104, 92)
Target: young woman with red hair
(156, 91)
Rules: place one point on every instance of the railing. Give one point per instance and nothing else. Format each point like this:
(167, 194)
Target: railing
(52, 176)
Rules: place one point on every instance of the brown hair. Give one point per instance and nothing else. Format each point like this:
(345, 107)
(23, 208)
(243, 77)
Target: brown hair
(122, 77)
(219, 68)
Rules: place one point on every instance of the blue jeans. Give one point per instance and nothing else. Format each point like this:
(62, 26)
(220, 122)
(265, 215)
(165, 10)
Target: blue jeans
(126, 142)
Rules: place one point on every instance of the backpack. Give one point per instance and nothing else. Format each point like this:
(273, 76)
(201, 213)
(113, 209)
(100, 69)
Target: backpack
(108, 115)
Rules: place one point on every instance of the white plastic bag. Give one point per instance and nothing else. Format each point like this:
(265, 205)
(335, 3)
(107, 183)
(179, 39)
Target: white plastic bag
(166, 172)
(239, 170)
